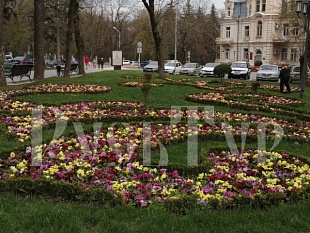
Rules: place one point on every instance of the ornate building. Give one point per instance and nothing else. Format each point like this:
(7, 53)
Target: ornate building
(256, 30)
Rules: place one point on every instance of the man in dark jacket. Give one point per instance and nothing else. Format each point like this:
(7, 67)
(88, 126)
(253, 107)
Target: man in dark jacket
(285, 79)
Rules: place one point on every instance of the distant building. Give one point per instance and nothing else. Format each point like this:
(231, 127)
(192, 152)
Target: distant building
(254, 30)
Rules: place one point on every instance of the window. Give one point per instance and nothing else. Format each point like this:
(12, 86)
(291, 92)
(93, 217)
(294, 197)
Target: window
(228, 11)
(227, 32)
(264, 6)
(285, 29)
(257, 5)
(294, 54)
(240, 10)
(246, 31)
(295, 30)
(227, 54)
(284, 54)
(259, 28)
(246, 54)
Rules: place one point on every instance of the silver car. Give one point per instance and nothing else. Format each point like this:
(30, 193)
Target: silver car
(190, 69)
(151, 67)
(208, 69)
(268, 73)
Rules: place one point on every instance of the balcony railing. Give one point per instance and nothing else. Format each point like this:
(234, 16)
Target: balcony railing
(224, 41)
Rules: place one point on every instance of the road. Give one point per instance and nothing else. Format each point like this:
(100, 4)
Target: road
(90, 69)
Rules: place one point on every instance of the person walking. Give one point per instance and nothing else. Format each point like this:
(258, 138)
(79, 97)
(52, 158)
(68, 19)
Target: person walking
(100, 63)
(86, 60)
(285, 79)
(94, 63)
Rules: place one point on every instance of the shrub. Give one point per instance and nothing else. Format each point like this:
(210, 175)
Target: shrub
(255, 87)
(221, 70)
(146, 87)
(258, 63)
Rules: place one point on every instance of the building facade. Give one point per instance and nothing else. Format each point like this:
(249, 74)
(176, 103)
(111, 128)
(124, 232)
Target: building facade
(254, 30)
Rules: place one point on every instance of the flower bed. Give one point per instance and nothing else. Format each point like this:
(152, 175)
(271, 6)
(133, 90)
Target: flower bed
(139, 84)
(111, 162)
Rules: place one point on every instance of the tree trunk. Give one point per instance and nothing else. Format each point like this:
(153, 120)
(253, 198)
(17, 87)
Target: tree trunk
(157, 38)
(39, 40)
(69, 41)
(2, 74)
(78, 38)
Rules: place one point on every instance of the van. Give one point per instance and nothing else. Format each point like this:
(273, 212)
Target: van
(295, 74)
(240, 69)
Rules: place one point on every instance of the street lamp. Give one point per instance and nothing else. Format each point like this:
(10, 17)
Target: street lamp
(175, 36)
(304, 7)
(119, 38)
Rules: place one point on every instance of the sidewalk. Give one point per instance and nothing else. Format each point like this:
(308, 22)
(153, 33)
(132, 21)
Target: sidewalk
(90, 69)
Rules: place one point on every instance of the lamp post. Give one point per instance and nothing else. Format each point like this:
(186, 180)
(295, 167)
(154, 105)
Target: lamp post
(175, 36)
(304, 7)
(119, 38)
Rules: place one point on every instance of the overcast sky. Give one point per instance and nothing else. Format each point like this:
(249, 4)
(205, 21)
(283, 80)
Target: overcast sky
(219, 4)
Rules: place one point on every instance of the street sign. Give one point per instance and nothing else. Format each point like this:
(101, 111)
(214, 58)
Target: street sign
(139, 50)
(139, 44)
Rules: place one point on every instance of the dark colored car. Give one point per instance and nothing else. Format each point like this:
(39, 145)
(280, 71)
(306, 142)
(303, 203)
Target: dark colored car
(144, 63)
(22, 60)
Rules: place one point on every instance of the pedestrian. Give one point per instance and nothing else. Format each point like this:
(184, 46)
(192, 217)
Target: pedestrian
(86, 60)
(285, 79)
(94, 63)
(100, 63)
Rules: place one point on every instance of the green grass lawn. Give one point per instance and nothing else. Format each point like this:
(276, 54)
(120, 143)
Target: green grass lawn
(20, 213)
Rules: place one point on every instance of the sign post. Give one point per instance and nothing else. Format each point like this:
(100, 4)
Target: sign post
(117, 59)
(139, 51)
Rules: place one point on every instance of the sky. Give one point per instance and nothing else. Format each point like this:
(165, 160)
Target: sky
(219, 4)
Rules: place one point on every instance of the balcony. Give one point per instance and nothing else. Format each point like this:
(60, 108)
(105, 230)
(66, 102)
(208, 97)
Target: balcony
(246, 39)
(280, 39)
(224, 41)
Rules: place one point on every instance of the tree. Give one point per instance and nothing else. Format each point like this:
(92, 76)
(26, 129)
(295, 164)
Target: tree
(5, 13)
(39, 40)
(2, 74)
(69, 37)
(156, 35)
(78, 38)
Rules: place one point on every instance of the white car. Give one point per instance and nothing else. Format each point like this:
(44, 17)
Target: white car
(9, 57)
(134, 63)
(268, 73)
(240, 69)
(126, 62)
(207, 69)
(173, 67)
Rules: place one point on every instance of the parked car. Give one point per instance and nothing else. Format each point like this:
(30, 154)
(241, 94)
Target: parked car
(22, 60)
(207, 69)
(144, 63)
(126, 62)
(50, 63)
(190, 69)
(240, 69)
(268, 72)
(151, 67)
(173, 67)
(295, 74)
(8, 57)
(134, 63)
(7, 64)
